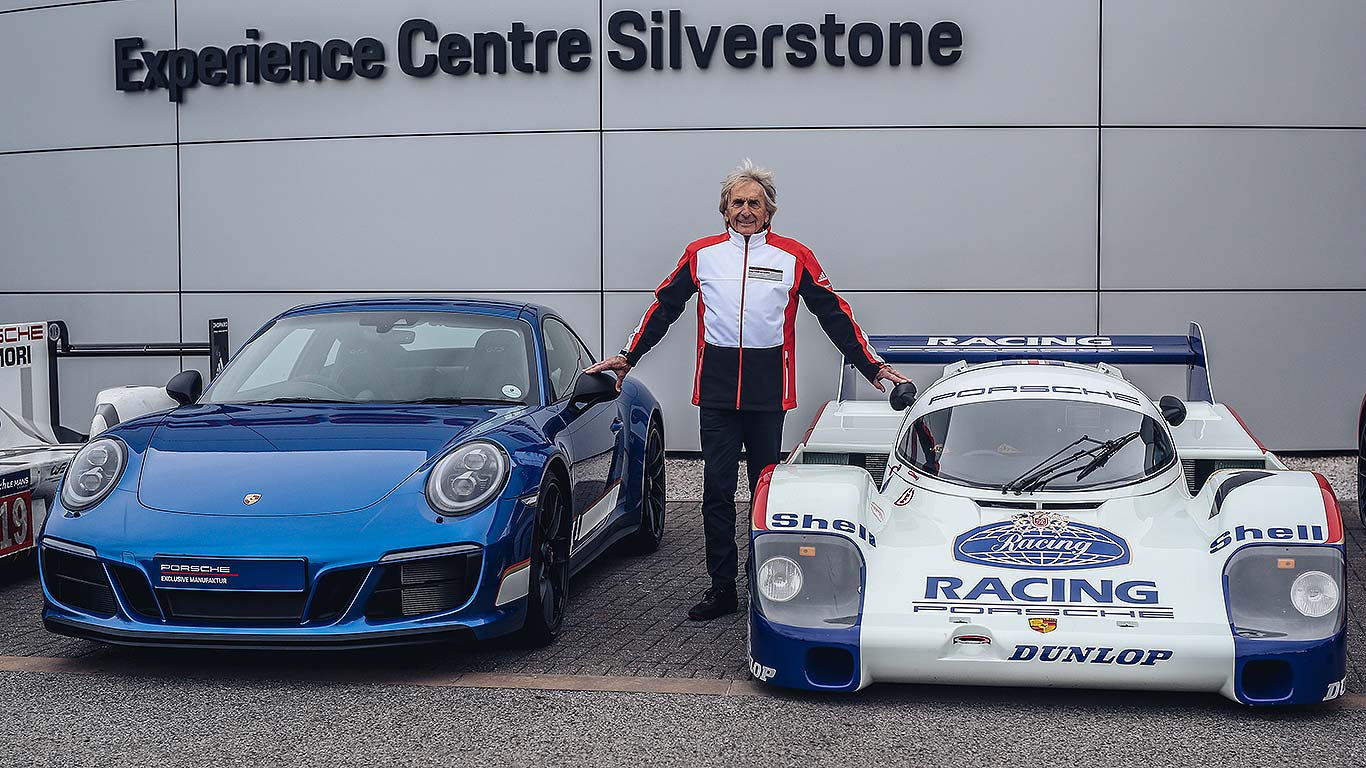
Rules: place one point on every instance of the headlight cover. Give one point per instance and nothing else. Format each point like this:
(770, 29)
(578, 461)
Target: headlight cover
(467, 477)
(93, 473)
(808, 579)
(1286, 593)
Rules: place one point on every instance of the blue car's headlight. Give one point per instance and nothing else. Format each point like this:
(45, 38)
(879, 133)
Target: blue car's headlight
(93, 473)
(467, 477)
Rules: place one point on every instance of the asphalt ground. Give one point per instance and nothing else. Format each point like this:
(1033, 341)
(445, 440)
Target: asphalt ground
(75, 702)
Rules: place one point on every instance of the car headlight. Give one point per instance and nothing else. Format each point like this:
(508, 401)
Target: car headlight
(93, 473)
(1286, 592)
(808, 579)
(780, 579)
(467, 477)
(1314, 594)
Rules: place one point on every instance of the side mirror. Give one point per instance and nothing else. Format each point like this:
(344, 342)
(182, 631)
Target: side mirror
(902, 396)
(1173, 410)
(185, 387)
(594, 388)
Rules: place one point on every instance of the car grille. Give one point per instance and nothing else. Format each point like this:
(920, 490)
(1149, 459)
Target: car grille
(78, 582)
(420, 587)
(133, 584)
(232, 605)
(874, 463)
(334, 593)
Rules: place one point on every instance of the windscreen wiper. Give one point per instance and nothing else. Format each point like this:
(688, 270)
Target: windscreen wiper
(465, 401)
(1108, 448)
(1045, 466)
(1099, 454)
(275, 400)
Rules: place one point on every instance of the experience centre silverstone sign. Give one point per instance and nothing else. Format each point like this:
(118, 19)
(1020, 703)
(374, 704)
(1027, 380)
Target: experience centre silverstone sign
(657, 40)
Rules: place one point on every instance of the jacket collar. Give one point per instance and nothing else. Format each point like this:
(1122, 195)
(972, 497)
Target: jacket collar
(755, 240)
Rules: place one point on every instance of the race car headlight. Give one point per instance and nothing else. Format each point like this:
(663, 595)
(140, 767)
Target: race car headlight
(93, 472)
(467, 477)
(1286, 593)
(808, 580)
(780, 579)
(1314, 594)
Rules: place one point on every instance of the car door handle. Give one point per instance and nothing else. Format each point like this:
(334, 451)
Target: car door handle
(616, 424)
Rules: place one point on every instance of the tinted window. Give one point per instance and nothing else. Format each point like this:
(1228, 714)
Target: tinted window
(383, 357)
(565, 357)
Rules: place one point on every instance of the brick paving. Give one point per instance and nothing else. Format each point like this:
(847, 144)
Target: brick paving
(627, 617)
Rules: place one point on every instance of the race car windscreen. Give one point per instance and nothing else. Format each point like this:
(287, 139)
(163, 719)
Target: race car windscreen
(368, 357)
(990, 444)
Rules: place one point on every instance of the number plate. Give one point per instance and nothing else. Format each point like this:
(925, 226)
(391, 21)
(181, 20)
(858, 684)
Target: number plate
(16, 513)
(243, 574)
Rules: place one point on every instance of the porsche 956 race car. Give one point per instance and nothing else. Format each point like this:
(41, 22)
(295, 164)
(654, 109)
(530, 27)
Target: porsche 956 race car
(1034, 519)
(361, 473)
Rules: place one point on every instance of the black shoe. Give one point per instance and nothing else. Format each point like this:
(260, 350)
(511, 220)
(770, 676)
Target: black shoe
(718, 601)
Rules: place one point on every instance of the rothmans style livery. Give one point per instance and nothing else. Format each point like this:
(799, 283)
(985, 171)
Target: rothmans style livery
(361, 473)
(747, 314)
(1034, 519)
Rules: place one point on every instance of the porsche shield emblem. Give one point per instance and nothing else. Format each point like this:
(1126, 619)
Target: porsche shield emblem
(1043, 625)
(251, 498)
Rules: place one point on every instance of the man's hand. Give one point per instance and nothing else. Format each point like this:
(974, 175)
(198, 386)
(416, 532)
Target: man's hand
(887, 373)
(616, 364)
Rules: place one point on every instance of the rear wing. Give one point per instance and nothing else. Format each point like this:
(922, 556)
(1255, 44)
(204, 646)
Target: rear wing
(29, 380)
(1186, 350)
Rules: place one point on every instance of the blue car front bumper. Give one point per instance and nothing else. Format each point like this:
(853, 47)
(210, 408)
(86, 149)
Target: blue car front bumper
(383, 575)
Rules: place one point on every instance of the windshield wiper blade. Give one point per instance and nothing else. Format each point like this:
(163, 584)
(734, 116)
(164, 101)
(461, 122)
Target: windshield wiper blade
(275, 400)
(467, 401)
(1043, 467)
(1107, 449)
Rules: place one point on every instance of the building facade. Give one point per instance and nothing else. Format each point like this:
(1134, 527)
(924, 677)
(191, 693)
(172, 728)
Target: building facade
(959, 166)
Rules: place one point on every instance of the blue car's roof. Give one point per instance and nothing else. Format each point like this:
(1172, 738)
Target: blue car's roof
(429, 304)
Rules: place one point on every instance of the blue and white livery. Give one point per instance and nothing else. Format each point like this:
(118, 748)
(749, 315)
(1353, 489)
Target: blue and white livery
(1034, 519)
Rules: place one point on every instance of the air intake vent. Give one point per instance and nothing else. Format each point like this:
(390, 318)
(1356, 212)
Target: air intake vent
(133, 584)
(334, 593)
(875, 463)
(420, 587)
(78, 582)
(229, 606)
(1197, 471)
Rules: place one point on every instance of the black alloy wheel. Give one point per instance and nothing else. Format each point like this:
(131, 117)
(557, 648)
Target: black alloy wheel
(548, 582)
(653, 494)
(1361, 477)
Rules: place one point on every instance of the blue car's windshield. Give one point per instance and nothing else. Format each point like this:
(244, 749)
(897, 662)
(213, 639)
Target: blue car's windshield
(383, 356)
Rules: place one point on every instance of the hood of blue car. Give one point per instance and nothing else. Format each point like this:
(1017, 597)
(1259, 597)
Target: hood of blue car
(296, 459)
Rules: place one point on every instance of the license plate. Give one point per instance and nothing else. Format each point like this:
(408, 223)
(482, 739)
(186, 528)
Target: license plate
(242, 574)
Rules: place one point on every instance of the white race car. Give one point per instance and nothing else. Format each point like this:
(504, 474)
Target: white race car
(1034, 519)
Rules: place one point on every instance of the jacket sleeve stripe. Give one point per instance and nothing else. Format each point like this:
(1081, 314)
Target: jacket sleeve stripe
(670, 297)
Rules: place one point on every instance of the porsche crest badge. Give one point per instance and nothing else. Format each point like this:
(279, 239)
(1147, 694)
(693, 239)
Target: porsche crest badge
(1043, 625)
(251, 498)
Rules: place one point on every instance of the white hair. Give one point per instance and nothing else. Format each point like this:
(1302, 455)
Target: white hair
(748, 171)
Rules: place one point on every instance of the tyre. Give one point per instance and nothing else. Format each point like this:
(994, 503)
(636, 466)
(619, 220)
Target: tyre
(548, 581)
(647, 538)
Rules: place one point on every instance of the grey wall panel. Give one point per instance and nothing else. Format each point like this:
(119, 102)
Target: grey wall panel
(461, 213)
(668, 369)
(59, 85)
(395, 103)
(248, 311)
(102, 318)
(883, 209)
(1200, 208)
(1289, 362)
(91, 220)
(1023, 62)
(19, 5)
(1233, 62)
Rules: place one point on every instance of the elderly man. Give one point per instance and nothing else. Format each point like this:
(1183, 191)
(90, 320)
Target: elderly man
(749, 279)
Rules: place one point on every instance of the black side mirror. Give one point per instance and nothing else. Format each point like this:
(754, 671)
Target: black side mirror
(185, 387)
(594, 388)
(1173, 410)
(902, 396)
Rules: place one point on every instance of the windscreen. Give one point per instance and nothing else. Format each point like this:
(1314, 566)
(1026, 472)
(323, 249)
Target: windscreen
(382, 357)
(990, 444)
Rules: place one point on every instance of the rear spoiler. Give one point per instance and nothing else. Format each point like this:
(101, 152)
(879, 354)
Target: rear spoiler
(1186, 350)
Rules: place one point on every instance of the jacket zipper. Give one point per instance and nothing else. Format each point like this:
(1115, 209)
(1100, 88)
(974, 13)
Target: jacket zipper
(785, 364)
(740, 366)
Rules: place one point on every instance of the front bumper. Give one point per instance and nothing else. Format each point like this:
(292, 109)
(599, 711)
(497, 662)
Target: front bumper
(379, 576)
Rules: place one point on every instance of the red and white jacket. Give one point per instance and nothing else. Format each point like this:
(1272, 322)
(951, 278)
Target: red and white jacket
(747, 314)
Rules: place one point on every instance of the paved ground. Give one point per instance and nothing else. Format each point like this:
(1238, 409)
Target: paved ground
(171, 707)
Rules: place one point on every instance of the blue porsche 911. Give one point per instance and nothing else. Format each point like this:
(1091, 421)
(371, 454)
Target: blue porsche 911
(362, 473)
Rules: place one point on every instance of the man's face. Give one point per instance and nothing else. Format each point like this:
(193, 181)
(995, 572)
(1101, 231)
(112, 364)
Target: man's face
(745, 210)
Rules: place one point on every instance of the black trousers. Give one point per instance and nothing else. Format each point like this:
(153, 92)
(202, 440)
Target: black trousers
(723, 433)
